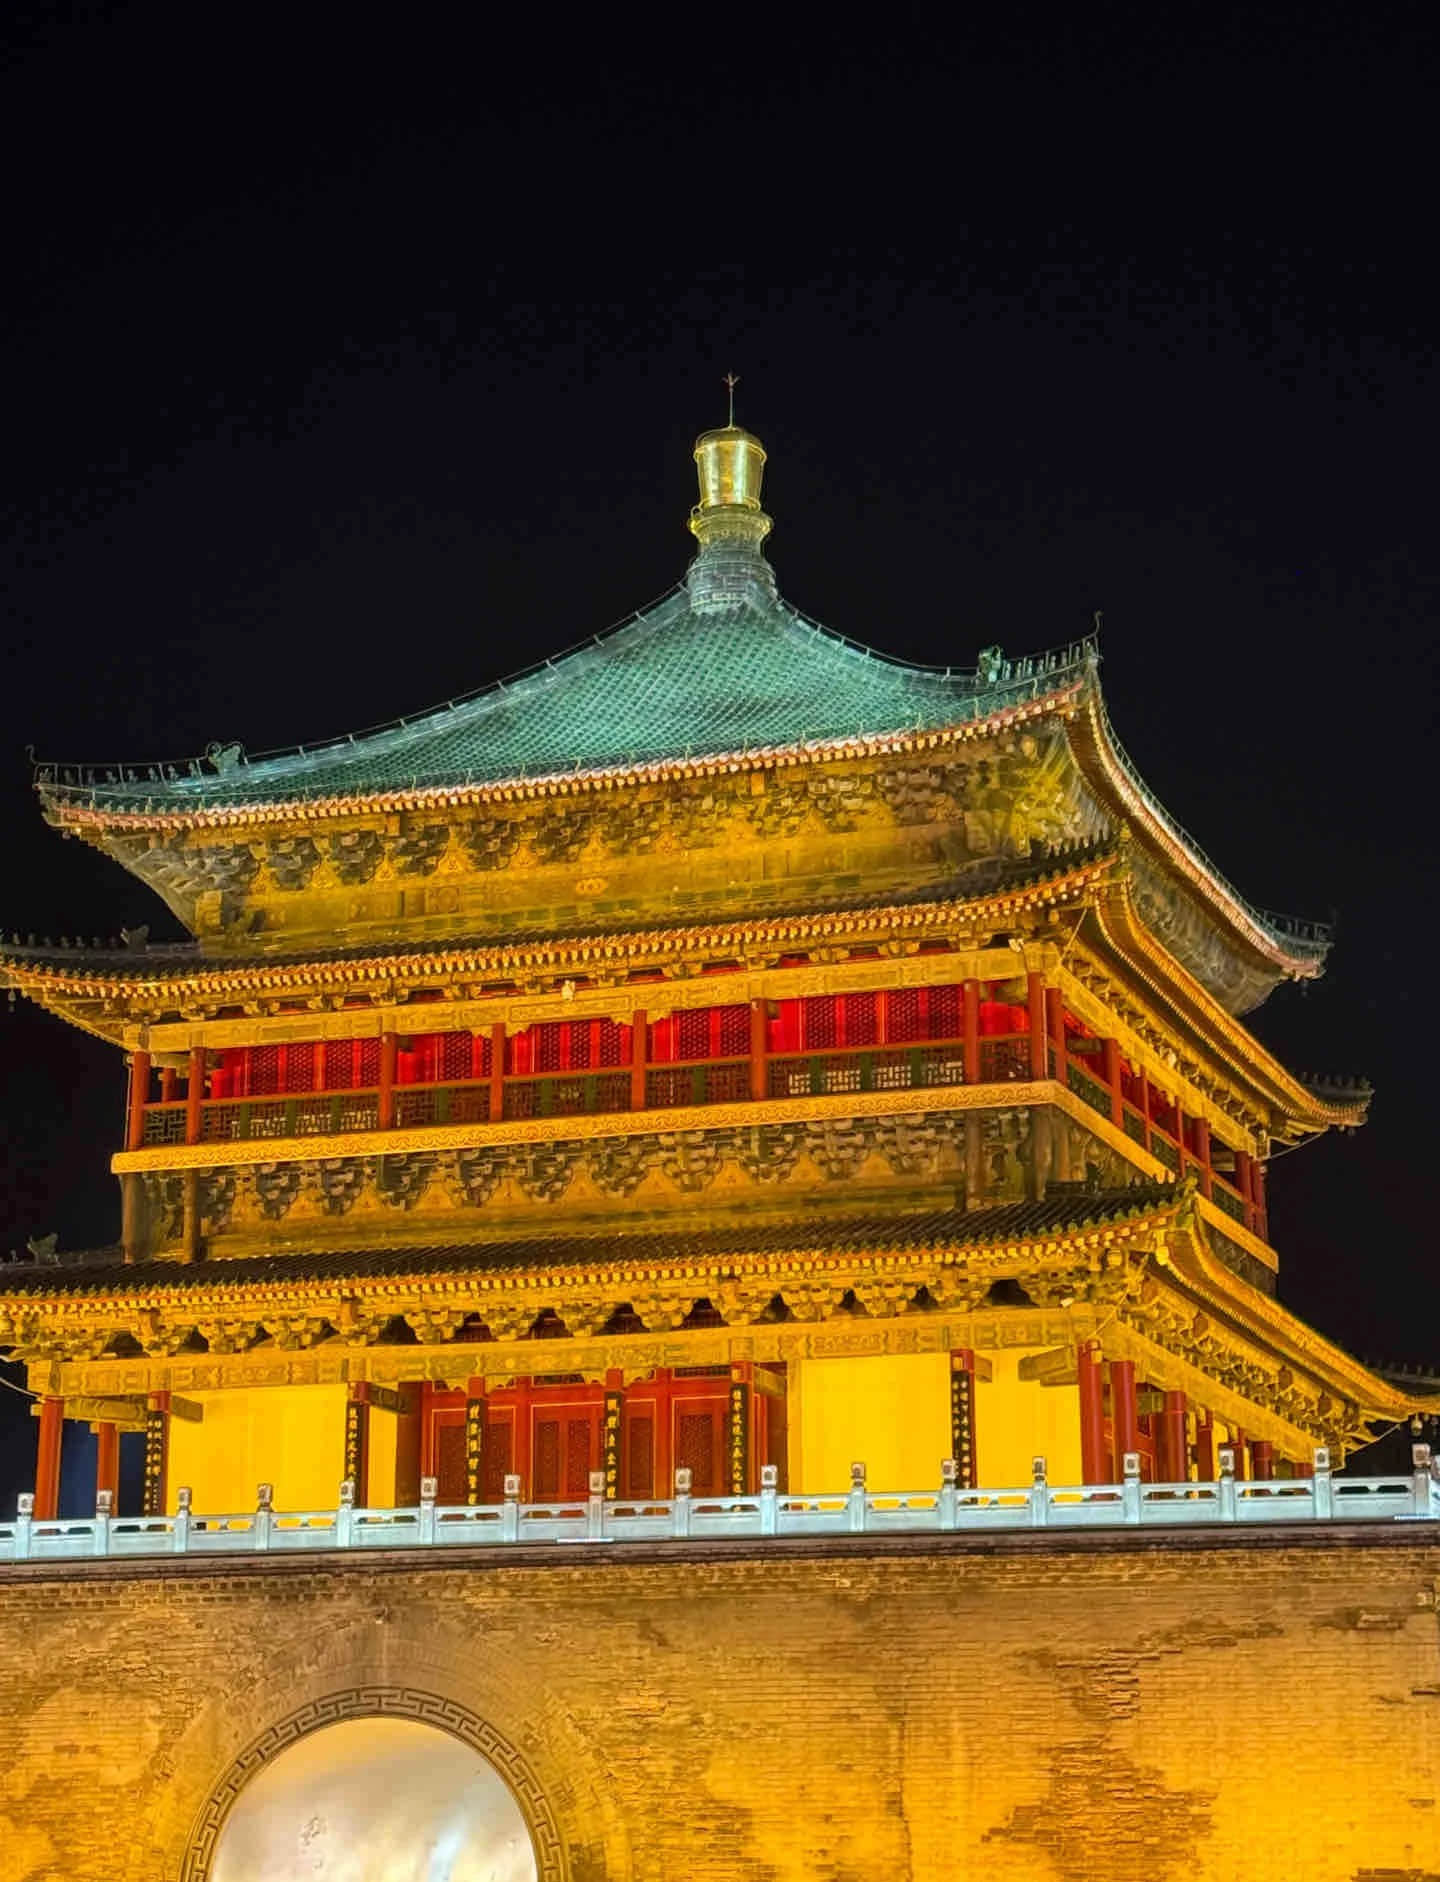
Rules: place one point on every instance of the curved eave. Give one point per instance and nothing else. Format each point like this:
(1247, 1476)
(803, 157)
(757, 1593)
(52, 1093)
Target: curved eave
(52, 984)
(98, 820)
(1101, 759)
(1229, 1297)
(1202, 1014)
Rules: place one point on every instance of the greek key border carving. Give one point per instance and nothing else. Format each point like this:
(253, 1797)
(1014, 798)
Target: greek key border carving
(398, 1702)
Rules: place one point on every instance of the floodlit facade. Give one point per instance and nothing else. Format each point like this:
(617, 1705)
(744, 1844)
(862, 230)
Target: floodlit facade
(722, 1088)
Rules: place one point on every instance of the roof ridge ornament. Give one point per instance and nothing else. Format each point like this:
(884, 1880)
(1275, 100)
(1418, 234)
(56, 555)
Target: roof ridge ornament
(728, 522)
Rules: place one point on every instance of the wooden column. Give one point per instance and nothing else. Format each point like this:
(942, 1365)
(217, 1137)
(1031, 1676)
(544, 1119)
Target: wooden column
(139, 1096)
(475, 1434)
(522, 1448)
(1205, 1448)
(1112, 1079)
(195, 1095)
(1035, 1000)
(1145, 1109)
(1262, 1206)
(107, 1460)
(1055, 1027)
(759, 1049)
(388, 1047)
(190, 1217)
(1124, 1412)
(497, 1073)
(640, 1056)
(1262, 1460)
(1094, 1460)
(157, 1454)
(429, 1450)
(962, 1416)
(356, 1466)
(132, 1215)
(1172, 1460)
(970, 1030)
(664, 1432)
(167, 1085)
(1244, 1163)
(47, 1458)
(1238, 1442)
(1202, 1140)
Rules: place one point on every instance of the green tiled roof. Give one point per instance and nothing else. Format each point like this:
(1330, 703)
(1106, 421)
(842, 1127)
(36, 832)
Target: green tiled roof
(679, 680)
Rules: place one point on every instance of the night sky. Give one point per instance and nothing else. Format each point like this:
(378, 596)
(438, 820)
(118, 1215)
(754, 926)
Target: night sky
(345, 374)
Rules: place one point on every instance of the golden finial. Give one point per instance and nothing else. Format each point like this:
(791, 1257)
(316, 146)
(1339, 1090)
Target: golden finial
(731, 464)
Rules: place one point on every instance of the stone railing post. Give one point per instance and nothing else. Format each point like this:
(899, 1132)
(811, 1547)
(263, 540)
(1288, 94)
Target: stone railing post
(595, 1508)
(680, 1508)
(1039, 1494)
(1323, 1485)
(180, 1527)
(1225, 1488)
(1130, 1500)
(510, 1511)
(345, 1515)
(946, 1512)
(104, 1499)
(429, 1488)
(24, 1525)
(856, 1500)
(264, 1516)
(769, 1499)
(1422, 1481)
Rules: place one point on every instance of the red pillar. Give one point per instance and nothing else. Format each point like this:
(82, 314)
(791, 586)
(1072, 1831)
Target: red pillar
(1205, 1448)
(1112, 1079)
(1202, 1141)
(759, 1048)
(139, 1095)
(1262, 1460)
(167, 1085)
(639, 1057)
(1237, 1445)
(194, 1094)
(1262, 1207)
(522, 1448)
(497, 1076)
(1094, 1462)
(1055, 1027)
(388, 1047)
(107, 1460)
(1173, 1463)
(1144, 1095)
(428, 1458)
(1124, 1413)
(664, 1432)
(970, 1030)
(1035, 1000)
(47, 1459)
(1243, 1166)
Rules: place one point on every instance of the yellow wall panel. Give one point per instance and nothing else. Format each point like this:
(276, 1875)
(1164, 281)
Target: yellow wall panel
(290, 1435)
(1017, 1420)
(890, 1412)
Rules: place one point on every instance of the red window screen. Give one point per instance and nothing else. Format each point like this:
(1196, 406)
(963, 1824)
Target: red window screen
(299, 1067)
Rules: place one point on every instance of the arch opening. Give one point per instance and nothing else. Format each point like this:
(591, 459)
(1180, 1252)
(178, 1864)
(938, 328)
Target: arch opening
(375, 1800)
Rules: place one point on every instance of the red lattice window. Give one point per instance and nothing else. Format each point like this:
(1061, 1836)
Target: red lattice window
(264, 1071)
(299, 1072)
(577, 1456)
(453, 1486)
(819, 1023)
(456, 1056)
(945, 1016)
(640, 1457)
(696, 1450)
(906, 1022)
(860, 1018)
(692, 1035)
(545, 1459)
(495, 1458)
(367, 1063)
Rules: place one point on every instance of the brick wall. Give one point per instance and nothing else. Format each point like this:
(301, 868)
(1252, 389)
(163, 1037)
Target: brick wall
(1036, 1707)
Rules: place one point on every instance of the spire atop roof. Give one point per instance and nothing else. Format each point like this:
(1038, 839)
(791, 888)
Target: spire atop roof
(728, 523)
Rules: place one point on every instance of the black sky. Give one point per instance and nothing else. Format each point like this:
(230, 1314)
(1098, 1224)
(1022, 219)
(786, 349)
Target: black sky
(347, 370)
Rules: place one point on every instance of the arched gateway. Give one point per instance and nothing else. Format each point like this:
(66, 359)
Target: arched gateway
(371, 1797)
